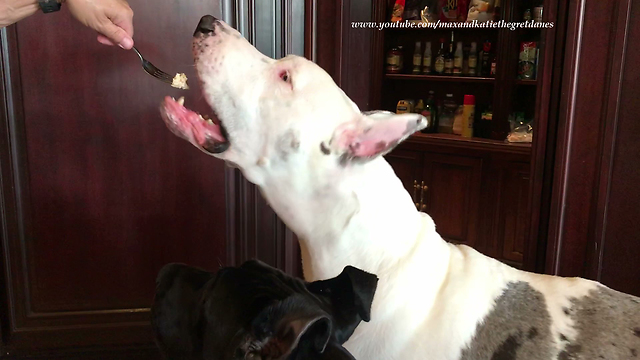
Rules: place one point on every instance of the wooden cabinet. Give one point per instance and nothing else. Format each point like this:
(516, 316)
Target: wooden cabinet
(451, 195)
(476, 191)
(512, 210)
(408, 167)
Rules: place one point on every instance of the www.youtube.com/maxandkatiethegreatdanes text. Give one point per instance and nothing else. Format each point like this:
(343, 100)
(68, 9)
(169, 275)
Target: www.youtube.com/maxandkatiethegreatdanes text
(501, 24)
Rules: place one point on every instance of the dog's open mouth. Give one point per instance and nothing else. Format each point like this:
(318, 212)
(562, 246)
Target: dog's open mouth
(208, 134)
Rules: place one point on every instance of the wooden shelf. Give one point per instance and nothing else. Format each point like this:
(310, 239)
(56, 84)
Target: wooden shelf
(473, 143)
(443, 78)
(527, 82)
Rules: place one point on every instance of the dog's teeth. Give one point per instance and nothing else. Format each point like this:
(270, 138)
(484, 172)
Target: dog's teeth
(181, 101)
(210, 121)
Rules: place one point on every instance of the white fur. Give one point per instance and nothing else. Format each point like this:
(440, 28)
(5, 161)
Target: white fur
(431, 295)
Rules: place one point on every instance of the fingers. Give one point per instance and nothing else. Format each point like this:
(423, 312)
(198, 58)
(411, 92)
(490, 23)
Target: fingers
(116, 35)
(112, 19)
(105, 40)
(124, 19)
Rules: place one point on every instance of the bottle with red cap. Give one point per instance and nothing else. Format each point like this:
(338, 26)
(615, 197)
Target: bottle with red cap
(468, 113)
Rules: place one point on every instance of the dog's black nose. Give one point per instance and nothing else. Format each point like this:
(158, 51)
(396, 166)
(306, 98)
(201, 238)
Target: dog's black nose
(206, 25)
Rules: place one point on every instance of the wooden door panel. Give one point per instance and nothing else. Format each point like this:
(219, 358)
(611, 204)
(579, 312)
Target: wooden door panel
(98, 194)
(408, 167)
(620, 245)
(513, 209)
(453, 195)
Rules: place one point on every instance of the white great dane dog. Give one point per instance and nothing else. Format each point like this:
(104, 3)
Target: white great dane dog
(317, 160)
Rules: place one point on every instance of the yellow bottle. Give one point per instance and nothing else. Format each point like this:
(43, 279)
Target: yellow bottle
(468, 113)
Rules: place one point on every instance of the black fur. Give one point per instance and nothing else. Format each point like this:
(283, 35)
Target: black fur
(257, 312)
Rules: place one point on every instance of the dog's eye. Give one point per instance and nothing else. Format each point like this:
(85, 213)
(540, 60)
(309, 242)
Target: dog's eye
(284, 75)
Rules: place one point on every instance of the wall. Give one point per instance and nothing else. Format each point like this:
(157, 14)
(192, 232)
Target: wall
(592, 230)
(97, 195)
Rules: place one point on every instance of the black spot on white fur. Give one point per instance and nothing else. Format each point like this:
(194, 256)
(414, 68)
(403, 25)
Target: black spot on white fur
(325, 150)
(288, 143)
(604, 321)
(518, 327)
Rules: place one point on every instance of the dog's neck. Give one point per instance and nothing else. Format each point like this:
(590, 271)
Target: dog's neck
(364, 218)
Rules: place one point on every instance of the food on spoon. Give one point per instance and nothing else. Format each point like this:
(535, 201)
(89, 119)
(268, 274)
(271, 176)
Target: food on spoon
(180, 81)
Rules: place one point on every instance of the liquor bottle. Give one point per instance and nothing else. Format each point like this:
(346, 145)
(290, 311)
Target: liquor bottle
(439, 64)
(457, 60)
(448, 58)
(465, 60)
(447, 115)
(394, 60)
(431, 114)
(482, 128)
(486, 62)
(468, 115)
(473, 60)
(417, 58)
(419, 107)
(494, 61)
(426, 59)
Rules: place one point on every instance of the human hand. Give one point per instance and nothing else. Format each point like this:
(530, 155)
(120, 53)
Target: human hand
(112, 19)
(12, 11)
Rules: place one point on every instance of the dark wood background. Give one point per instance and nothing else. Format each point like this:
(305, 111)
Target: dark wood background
(595, 205)
(97, 195)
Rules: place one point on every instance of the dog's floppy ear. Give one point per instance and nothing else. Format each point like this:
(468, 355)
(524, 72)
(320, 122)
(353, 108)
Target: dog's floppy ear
(333, 352)
(350, 295)
(176, 310)
(373, 134)
(364, 287)
(291, 329)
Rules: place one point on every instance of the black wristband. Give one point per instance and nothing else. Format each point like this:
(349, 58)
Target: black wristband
(49, 6)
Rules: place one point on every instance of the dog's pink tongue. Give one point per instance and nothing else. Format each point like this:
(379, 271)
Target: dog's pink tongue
(189, 125)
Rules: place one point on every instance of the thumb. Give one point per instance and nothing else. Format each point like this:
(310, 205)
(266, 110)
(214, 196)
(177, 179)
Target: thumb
(117, 35)
(104, 40)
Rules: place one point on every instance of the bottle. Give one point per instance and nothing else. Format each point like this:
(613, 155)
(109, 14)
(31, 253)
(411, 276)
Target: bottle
(486, 64)
(394, 60)
(398, 10)
(457, 121)
(483, 126)
(439, 65)
(457, 59)
(417, 59)
(473, 60)
(419, 107)
(465, 61)
(448, 58)
(426, 59)
(430, 113)
(497, 11)
(494, 61)
(468, 114)
(537, 13)
(447, 115)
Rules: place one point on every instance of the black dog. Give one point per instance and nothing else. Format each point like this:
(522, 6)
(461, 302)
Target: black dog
(257, 312)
